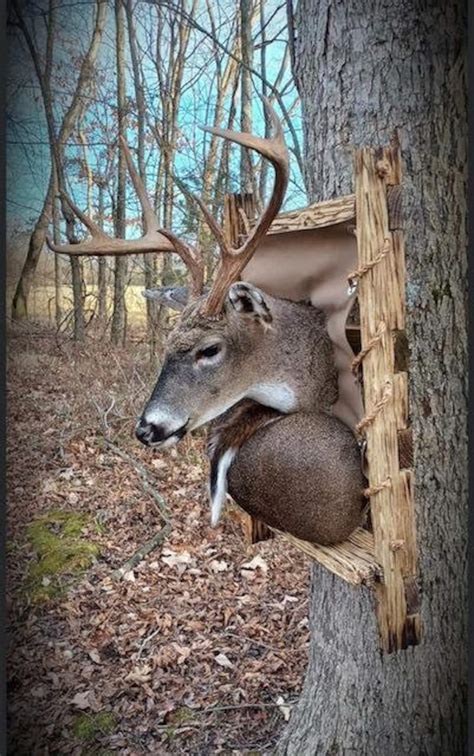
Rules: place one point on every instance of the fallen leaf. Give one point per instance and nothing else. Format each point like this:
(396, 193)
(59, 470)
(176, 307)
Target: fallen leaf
(82, 700)
(256, 562)
(95, 656)
(223, 661)
(183, 653)
(139, 674)
(217, 566)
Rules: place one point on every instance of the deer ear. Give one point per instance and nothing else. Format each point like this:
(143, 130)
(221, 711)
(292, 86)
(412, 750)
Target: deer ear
(249, 301)
(174, 297)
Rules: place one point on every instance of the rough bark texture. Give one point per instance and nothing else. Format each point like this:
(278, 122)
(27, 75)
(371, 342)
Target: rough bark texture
(364, 68)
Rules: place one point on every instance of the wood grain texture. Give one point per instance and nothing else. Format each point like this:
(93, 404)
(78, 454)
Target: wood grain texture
(353, 560)
(381, 299)
(316, 215)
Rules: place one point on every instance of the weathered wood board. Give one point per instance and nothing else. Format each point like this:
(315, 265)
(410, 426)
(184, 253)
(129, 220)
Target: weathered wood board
(381, 295)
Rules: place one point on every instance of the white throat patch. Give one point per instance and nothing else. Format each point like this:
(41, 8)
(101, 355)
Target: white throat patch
(277, 395)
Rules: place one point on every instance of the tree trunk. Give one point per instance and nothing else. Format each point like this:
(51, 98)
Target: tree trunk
(246, 167)
(118, 316)
(102, 263)
(362, 69)
(57, 265)
(149, 261)
(35, 247)
(77, 272)
(86, 72)
(77, 297)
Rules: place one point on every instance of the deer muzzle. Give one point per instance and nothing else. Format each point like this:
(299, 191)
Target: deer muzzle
(158, 434)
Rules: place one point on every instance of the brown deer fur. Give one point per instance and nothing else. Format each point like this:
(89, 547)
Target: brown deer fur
(299, 473)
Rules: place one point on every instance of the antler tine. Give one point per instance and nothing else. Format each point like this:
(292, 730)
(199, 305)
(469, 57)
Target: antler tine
(191, 257)
(101, 243)
(233, 261)
(149, 216)
(273, 148)
(95, 230)
(154, 239)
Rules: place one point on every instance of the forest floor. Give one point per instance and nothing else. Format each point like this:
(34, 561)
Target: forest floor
(200, 648)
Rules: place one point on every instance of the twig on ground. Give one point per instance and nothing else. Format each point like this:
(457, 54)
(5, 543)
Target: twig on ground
(160, 506)
(158, 500)
(145, 641)
(142, 552)
(216, 710)
(254, 641)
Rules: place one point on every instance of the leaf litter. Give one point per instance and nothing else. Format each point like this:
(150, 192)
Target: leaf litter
(202, 646)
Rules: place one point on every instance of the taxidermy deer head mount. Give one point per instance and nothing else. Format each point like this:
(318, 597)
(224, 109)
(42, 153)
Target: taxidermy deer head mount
(264, 366)
(235, 341)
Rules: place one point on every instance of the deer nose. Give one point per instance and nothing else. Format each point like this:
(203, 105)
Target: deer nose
(148, 433)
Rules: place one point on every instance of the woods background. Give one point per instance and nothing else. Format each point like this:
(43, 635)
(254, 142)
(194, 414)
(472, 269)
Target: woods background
(81, 75)
(202, 648)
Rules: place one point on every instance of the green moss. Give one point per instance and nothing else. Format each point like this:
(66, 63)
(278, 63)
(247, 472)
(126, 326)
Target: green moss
(87, 727)
(61, 552)
(180, 715)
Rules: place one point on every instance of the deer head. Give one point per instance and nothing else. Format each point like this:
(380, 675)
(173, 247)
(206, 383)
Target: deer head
(235, 341)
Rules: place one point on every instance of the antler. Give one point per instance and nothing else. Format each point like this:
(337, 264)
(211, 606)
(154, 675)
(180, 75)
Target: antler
(233, 261)
(154, 238)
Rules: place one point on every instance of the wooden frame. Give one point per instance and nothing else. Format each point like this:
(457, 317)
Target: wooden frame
(385, 558)
(381, 294)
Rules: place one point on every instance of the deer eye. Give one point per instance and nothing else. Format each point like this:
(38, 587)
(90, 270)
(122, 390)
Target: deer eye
(207, 352)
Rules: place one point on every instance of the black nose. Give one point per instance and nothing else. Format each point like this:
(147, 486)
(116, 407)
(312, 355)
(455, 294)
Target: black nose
(148, 433)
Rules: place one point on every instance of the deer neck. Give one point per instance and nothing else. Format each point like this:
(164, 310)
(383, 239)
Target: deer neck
(294, 367)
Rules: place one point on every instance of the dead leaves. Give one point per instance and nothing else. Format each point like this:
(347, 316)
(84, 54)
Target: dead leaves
(206, 636)
(223, 661)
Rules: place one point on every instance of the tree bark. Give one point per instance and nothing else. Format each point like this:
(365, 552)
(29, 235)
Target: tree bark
(117, 333)
(57, 266)
(246, 166)
(149, 262)
(362, 69)
(102, 262)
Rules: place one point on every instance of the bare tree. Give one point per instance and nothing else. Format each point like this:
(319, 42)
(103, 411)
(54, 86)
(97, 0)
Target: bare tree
(141, 113)
(246, 168)
(43, 73)
(102, 261)
(118, 328)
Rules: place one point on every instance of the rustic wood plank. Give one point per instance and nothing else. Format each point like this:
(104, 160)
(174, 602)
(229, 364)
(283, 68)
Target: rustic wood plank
(317, 215)
(353, 560)
(382, 300)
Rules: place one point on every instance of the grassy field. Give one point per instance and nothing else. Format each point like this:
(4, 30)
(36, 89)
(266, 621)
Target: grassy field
(41, 302)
